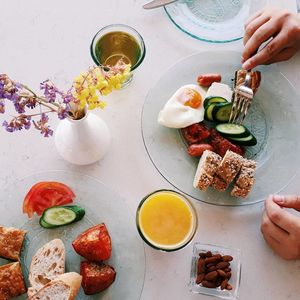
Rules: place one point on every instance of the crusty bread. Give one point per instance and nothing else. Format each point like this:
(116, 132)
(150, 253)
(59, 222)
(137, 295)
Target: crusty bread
(65, 286)
(11, 241)
(56, 290)
(206, 170)
(227, 170)
(11, 281)
(245, 180)
(46, 265)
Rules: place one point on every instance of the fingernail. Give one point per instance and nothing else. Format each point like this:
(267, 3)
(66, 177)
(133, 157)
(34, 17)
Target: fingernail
(242, 59)
(278, 199)
(246, 65)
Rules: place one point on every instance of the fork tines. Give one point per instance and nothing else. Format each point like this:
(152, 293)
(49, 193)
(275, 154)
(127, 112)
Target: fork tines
(242, 99)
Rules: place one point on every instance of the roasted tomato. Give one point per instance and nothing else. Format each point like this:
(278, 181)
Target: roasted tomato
(96, 277)
(46, 194)
(94, 244)
(221, 145)
(195, 133)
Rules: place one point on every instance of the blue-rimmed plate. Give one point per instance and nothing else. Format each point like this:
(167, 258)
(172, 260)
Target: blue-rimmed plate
(217, 21)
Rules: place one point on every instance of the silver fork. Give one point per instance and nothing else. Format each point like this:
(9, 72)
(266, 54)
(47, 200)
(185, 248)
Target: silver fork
(243, 96)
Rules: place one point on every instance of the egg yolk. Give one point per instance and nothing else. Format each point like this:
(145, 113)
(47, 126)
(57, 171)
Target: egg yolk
(194, 99)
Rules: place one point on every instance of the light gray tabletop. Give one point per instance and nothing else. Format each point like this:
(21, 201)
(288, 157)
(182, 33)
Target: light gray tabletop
(51, 39)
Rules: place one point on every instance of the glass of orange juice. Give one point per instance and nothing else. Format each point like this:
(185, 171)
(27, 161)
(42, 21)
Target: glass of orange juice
(166, 220)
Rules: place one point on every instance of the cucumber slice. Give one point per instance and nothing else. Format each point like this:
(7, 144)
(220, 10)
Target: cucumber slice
(208, 112)
(61, 215)
(221, 112)
(232, 130)
(249, 140)
(213, 99)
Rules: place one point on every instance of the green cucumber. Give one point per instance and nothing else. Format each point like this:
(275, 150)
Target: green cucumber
(221, 112)
(232, 130)
(249, 140)
(208, 112)
(57, 216)
(213, 99)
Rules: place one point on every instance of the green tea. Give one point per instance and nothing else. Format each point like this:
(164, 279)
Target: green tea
(117, 45)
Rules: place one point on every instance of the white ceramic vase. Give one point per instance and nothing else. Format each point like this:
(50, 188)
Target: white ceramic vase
(84, 141)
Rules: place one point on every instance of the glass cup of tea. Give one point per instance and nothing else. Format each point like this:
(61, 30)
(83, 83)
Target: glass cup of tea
(115, 42)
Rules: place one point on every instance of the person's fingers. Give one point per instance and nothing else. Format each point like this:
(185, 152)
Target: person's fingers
(275, 46)
(264, 33)
(252, 27)
(281, 217)
(271, 229)
(253, 17)
(289, 201)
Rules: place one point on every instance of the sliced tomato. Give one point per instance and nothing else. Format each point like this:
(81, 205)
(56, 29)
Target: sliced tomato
(46, 194)
(94, 244)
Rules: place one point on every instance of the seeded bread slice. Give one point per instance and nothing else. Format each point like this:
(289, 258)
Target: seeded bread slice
(206, 170)
(245, 180)
(46, 265)
(227, 170)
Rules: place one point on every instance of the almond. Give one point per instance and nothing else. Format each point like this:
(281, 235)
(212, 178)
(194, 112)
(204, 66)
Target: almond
(209, 284)
(208, 254)
(224, 284)
(227, 258)
(211, 276)
(211, 268)
(202, 255)
(228, 275)
(212, 259)
(200, 278)
(223, 265)
(200, 266)
(222, 273)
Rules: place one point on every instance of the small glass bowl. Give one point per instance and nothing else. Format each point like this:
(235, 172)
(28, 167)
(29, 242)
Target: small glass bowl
(122, 28)
(192, 233)
(235, 266)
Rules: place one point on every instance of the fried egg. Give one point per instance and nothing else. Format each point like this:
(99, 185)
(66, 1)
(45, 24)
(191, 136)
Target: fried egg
(184, 108)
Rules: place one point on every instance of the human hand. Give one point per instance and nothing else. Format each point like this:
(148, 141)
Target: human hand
(280, 228)
(281, 26)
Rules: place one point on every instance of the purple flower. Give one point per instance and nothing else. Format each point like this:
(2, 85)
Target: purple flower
(63, 112)
(49, 89)
(18, 123)
(42, 126)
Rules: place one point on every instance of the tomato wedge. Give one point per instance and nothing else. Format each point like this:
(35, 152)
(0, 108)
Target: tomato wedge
(44, 195)
(94, 244)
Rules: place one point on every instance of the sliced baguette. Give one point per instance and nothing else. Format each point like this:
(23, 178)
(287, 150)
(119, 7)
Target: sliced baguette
(73, 280)
(206, 170)
(55, 290)
(46, 265)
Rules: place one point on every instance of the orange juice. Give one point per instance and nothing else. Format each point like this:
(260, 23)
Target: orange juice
(166, 220)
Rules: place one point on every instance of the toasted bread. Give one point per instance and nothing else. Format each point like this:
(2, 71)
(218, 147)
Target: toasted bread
(206, 170)
(11, 281)
(11, 241)
(245, 180)
(46, 265)
(227, 170)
